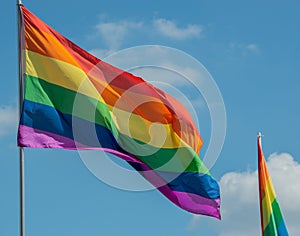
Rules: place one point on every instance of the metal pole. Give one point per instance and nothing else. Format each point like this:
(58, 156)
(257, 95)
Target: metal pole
(22, 193)
(21, 150)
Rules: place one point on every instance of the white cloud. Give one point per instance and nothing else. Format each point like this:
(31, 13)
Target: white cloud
(252, 47)
(285, 173)
(114, 32)
(170, 29)
(240, 204)
(244, 48)
(8, 119)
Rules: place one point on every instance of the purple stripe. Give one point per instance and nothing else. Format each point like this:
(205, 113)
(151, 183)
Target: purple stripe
(34, 138)
(188, 201)
(198, 204)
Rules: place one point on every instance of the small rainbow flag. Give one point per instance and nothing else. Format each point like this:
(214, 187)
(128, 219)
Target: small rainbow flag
(73, 100)
(272, 223)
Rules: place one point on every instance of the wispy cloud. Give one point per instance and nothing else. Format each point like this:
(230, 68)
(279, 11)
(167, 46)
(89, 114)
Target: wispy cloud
(252, 47)
(8, 119)
(114, 33)
(240, 205)
(170, 29)
(244, 48)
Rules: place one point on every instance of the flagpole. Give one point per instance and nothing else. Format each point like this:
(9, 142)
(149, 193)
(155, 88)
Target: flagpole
(21, 150)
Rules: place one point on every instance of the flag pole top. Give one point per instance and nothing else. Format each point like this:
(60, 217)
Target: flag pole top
(259, 135)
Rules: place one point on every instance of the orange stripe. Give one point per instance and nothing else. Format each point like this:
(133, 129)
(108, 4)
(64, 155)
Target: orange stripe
(47, 45)
(264, 176)
(30, 18)
(54, 41)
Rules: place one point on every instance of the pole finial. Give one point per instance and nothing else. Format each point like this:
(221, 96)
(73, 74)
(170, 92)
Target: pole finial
(259, 135)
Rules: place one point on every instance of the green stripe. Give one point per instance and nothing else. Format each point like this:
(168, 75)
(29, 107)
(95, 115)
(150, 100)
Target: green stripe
(276, 212)
(275, 220)
(271, 230)
(62, 99)
(179, 159)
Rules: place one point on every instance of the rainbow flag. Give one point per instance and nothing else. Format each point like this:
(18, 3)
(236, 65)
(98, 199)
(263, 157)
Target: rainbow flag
(73, 100)
(272, 223)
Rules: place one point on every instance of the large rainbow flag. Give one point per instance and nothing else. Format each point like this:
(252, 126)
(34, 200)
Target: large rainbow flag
(74, 100)
(272, 223)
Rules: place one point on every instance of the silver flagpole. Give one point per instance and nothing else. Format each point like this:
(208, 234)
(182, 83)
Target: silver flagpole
(21, 150)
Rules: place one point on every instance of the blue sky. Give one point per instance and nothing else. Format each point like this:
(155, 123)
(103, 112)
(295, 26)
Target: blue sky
(251, 49)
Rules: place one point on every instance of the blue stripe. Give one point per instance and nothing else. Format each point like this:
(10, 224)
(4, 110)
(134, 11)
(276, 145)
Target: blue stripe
(49, 119)
(190, 182)
(282, 230)
(200, 184)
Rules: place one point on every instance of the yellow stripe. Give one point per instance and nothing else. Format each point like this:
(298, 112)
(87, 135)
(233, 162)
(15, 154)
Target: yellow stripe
(135, 126)
(267, 202)
(59, 73)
